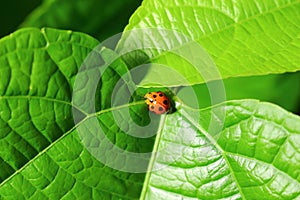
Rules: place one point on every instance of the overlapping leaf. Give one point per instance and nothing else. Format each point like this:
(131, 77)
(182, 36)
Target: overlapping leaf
(243, 38)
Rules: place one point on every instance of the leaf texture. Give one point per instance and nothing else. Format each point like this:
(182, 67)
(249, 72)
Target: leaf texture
(42, 154)
(243, 38)
(253, 155)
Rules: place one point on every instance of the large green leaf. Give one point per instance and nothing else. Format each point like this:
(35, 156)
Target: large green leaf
(243, 38)
(239, 150)
(90, 16)
(43, 154)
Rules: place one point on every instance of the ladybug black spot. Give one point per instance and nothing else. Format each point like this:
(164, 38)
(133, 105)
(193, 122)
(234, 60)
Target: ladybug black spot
(152, 107)
(161, 95)
(165, 102)
(160, 109)
(154, 96)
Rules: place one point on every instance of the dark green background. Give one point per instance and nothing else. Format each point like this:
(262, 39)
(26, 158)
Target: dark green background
(13, 12)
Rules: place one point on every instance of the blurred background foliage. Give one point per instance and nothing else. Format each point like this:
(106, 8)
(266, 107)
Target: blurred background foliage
(13, 13)
(98, 18)
(104, 18)
(280, 89)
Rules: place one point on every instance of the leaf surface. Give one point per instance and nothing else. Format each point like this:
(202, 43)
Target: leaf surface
(43, 155)
(239, 150)
(243, 38)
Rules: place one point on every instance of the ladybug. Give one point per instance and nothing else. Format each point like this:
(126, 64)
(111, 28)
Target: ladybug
(157, 102)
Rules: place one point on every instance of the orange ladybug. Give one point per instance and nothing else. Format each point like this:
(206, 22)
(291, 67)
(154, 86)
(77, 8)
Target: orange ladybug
(157, 102)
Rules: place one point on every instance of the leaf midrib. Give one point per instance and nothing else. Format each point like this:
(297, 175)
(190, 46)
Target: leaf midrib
(28, 97)
(153, 158)
(262, 162)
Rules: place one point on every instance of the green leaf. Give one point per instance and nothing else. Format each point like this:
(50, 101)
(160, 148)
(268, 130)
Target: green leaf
(44, 154)
(237, 150)
(243, 38)
(93, 16)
